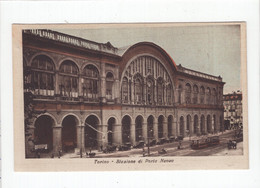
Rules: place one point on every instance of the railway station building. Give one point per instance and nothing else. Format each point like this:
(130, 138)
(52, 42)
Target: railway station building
(94, 94)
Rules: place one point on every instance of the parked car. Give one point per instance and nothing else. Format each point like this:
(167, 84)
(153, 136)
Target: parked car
(152, 142)
(232, 144)
(109, 149)
(161, 141)
(140, 144)
(125, 147)
(171, 139)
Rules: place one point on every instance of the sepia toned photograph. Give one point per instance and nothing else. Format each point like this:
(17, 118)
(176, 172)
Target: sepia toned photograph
(135, 94)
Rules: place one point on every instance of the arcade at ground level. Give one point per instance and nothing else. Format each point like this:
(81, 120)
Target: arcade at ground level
(71, 134)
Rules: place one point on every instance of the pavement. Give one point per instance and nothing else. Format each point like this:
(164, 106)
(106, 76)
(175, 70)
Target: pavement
(172, 149)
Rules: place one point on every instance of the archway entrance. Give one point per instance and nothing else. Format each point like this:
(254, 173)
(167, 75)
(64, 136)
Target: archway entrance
(69, 133)
(111, 122)
(188, 126)
(170, 126)
(43, 133)
(126, 122)
(138, 128)
(160, 126)
(214, 124)
(91, 136)
(221, 123)
(150, 121)
(202, 124)
(196, 124)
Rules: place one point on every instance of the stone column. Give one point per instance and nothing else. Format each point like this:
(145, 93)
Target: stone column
(116, 91)
(217, 124)
(99, 136)
(191, 127)
(164, 94)
(117, 134)
(57, 138)
(104, 135)
(80, 86)
(174, 127)
(144, 93)
(103, 89)
(198, 126)
(132, 92)
(206, 125)
(144, 131)
(80, 137)
(29, 145)
(155, 93)
(184, 127)
(132, 134)
(155, 129)
(178, 125)
(57, 89)
(212, 124)
(165, 129)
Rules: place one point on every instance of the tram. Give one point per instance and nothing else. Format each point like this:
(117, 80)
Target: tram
(204, 142)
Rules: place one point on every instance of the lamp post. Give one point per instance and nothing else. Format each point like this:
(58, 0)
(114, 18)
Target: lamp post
(80, 150)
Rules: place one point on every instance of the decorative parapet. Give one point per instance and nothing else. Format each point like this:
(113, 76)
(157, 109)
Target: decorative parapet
(60, 37)
(199, 74)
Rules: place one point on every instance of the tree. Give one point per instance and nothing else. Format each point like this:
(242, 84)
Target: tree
(29, 112)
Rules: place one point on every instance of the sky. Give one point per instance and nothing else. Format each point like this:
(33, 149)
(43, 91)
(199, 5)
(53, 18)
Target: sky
(212, 49)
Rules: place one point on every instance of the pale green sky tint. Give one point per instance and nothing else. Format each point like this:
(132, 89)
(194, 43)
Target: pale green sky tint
(210, 49)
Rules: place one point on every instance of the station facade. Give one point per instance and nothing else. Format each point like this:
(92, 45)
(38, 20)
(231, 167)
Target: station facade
(94, 94)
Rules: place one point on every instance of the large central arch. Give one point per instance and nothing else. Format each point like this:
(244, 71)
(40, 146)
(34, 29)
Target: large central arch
(139, 76)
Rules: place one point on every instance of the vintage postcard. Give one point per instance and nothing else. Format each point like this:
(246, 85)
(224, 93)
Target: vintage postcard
(104, 97)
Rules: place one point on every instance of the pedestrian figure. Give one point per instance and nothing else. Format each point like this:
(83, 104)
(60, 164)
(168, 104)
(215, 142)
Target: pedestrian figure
(101, 148)
(52, 155)
(59, 153)
(143, 152)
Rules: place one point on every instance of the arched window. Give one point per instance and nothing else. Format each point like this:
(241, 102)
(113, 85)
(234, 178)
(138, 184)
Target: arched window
(188, 94)
(208, 95)
(109, 85)
(202, 94)
(147, 81)
(125, 96)
(195, 94)
(90, 82)
(42, 78)
(169, 94)
(160, 92)
(68, 79)
(150, 91)
(138, 90)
